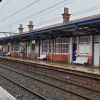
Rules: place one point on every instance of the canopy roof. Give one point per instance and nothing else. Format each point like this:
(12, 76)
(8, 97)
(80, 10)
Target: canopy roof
(87, 24)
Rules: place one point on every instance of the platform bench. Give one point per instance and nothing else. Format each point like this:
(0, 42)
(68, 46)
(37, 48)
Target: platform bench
(8, 54)
(81, 60)
(42, 56)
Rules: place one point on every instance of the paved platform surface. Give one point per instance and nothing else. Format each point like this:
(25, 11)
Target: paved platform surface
(4, 95)
(87, 69)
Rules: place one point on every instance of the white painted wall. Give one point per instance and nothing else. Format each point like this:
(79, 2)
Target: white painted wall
(84, 49)
(96, 50)
(37, 47)
(71, 48)
(96, 54)
(28, 49)
(40, 47)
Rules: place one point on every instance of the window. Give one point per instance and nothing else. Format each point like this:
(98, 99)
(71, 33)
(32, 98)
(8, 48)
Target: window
(81, 39)
(50, 46)
(61, 45)
(75, 40)
(84, 39)
(58, 45)
(65, 45)
(16, 47)
(84, 46)
(84, 49)
(33, 46)
(44, 46)
(96, 38)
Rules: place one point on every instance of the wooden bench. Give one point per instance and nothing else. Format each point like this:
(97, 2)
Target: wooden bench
(42, 56)
(81, 60)
(8, 54)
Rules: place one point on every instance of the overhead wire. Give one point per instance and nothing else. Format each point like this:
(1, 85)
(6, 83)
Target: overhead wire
(37, 13)
(5, 4)
(51, 20)
(20, 10)
(51, 8)
(76, 13)
(86, 10)
(46, 9)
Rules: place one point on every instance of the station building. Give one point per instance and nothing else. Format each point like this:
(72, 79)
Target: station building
(63, 42)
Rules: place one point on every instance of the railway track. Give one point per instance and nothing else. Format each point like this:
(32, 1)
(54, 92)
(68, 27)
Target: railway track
(35, 95)
(87, 94)
(73, 95)
(83, 79)
(70, 81)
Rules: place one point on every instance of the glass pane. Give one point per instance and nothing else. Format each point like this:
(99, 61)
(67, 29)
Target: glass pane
(75, 39)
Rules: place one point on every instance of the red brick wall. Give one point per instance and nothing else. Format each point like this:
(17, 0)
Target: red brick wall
(58, 57)
(15, 54)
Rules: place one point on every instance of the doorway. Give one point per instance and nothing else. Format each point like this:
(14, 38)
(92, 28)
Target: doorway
(74, 48)
(33, 51)
(96, 50)
(96, 54)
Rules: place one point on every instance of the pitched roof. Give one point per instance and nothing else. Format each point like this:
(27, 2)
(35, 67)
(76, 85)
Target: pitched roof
(81, 21)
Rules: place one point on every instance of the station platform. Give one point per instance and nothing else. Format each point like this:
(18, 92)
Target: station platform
(81, 68)
(75, 67)
(4, 95)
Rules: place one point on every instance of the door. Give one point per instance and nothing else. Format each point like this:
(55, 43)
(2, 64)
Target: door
(74, 48)
(8, 48)
(33, 51)
(96, 54)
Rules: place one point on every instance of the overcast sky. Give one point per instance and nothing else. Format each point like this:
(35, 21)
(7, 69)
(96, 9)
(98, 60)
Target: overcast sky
(12, 13)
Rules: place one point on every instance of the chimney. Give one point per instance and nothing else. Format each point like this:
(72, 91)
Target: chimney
(20, 29)
(30, 26)
(66, 15)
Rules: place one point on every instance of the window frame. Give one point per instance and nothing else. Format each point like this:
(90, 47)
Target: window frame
(66, 45)
(44, 46)
(84, 39)
(15, 46)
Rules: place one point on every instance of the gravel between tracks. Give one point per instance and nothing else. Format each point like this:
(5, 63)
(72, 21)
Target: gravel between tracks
(43, 89)
(18, 92)
(93, 95)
